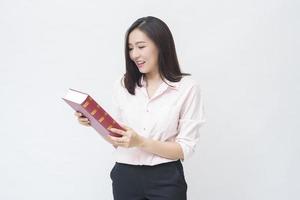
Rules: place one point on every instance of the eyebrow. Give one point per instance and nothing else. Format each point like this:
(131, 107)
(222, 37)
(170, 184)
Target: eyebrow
(138, 42)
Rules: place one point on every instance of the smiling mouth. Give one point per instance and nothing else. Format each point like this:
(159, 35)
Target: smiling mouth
(140, 64)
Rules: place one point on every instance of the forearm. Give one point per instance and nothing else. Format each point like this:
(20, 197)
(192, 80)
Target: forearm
(170, 150)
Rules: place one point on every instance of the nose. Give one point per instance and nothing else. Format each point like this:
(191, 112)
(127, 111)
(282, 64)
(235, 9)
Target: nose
(135, 54)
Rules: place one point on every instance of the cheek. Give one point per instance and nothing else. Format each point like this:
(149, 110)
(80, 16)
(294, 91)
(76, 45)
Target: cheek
(130, 55)
(151, 56)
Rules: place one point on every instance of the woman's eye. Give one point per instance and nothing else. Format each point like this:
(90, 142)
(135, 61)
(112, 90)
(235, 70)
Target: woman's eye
(139, 48)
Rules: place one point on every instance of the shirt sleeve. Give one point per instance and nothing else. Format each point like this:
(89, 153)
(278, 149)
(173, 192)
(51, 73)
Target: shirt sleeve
(192, 117)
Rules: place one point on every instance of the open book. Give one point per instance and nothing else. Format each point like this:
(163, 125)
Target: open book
(99, 119)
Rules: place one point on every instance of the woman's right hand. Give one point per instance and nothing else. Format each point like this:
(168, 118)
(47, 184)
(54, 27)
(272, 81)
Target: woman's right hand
(82, 119)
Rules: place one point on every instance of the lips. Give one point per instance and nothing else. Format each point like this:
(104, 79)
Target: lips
(140, 63)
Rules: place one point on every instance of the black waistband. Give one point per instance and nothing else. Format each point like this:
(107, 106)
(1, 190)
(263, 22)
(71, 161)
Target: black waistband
(146, 166)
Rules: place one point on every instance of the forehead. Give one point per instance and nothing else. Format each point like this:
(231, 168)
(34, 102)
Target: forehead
(136, 36)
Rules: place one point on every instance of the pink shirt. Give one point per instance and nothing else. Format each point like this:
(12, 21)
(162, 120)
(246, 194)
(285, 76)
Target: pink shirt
(171, 114)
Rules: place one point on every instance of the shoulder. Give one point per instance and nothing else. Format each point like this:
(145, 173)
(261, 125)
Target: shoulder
(189, 82)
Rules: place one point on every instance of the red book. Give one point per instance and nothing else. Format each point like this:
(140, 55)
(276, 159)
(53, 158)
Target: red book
(99, 119)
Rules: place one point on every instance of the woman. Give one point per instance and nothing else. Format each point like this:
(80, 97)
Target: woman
(161, 110)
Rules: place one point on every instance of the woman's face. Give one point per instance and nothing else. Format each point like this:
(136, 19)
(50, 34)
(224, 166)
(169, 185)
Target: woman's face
(143, 51)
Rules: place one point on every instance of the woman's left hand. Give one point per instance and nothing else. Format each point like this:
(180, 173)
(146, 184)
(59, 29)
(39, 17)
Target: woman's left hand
(129, 137)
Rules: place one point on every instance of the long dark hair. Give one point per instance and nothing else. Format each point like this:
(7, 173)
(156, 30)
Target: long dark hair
(161, 35)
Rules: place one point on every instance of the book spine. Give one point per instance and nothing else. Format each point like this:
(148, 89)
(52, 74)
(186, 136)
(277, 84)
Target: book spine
(100, 119)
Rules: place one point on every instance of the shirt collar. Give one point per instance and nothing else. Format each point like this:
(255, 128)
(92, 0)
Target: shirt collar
(170, 84)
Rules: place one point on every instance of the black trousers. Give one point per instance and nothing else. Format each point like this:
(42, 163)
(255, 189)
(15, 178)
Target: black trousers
(164, 181)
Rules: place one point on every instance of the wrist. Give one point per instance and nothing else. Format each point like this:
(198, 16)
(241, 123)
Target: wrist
(142, 141)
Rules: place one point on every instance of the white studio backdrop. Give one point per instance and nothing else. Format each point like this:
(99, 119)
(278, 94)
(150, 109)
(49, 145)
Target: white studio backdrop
(243, 53)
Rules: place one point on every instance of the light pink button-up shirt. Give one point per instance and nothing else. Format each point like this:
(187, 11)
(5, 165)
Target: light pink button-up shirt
(171, 114)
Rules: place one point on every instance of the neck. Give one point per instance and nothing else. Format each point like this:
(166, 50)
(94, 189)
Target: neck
(153, 78)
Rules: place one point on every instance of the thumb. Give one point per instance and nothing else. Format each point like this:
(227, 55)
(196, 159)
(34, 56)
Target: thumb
(124, 126)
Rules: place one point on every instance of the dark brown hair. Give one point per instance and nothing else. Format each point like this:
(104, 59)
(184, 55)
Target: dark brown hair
(161, 35)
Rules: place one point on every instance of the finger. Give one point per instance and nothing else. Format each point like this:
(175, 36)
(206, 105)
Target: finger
(124, 126)
(83, 119)
(119, 131)
(85, 123)
(78, 114)
(111, 140)
(117, 140)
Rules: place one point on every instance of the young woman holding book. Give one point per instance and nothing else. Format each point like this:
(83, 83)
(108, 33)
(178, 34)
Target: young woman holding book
(161, 110)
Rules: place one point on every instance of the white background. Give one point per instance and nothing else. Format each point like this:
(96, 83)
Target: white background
(244, 54)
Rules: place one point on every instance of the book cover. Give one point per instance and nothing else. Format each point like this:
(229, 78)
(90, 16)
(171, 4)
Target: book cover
(99, 119)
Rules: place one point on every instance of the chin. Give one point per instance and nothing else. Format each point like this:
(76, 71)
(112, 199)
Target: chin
(143, 70)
